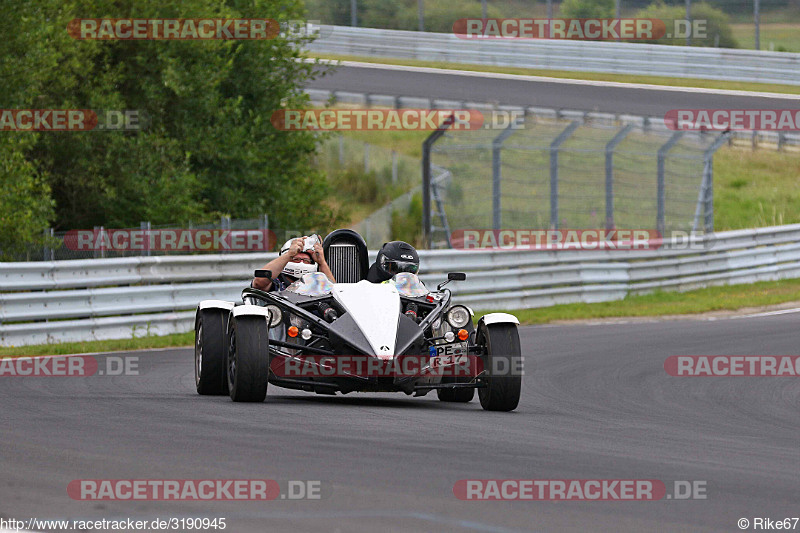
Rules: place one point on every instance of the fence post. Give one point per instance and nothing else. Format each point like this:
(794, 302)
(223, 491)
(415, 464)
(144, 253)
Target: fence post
(554, 146)
(341, 150)
(48, 253)
(662, 154)
(263, 224)
(706, 197)
(366, 158)
(394, 167)
(427, 145)
(610, 147)
(497, 147)
(145, 227)
(225, 224)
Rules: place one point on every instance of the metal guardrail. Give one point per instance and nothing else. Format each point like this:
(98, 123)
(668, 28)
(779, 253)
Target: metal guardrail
(64, 301)
(776, 140)
(587, 56)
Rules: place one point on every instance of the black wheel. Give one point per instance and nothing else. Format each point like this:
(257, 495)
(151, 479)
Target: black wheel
(248, 358)
(454, 395)
(210, 345)
(502, 365)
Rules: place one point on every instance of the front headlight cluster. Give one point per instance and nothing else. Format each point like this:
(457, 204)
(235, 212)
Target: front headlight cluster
(275, 315)
(458, 316)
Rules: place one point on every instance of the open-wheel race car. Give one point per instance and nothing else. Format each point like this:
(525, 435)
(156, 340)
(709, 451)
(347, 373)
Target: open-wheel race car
(356, 336)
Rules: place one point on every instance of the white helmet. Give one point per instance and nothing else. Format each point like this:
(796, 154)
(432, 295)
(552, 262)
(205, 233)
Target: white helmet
(296, 270)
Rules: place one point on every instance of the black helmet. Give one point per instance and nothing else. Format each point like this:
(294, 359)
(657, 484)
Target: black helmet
(395, 257)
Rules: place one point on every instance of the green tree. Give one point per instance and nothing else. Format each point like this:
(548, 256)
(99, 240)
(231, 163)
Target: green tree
(587, 9)
(25, 205)
(207, 147)
(717, 28)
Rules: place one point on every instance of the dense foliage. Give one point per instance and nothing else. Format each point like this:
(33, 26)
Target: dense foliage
(206, 147)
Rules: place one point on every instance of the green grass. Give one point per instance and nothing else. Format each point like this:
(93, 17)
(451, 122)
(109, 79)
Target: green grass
(780, 37)
(663, 303)
(139, 343)
(593, 76)
(755, 188)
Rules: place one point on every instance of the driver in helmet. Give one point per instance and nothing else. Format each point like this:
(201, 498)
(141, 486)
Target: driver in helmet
(394, 257)
(297, 257)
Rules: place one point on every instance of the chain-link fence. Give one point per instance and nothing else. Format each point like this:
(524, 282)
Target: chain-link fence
(558, 172)
(382, 180)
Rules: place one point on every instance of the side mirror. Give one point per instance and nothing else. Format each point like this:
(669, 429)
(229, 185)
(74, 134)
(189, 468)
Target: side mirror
(452, 276)
(263, 274)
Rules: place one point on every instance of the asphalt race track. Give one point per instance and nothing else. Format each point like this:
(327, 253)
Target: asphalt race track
(559, 94)
(597, 404)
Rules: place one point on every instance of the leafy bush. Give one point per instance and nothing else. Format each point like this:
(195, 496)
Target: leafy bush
(408, 226)
(717, 24)
(207, 147)
(587, 9)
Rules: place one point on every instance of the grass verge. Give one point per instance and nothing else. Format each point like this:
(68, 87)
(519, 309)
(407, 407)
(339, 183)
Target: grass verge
(591, 76)
(663, 303)
(117, 345)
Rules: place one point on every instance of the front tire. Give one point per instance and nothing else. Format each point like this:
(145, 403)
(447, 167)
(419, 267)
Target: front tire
(502, 366)
(210, 347)
(248, 359)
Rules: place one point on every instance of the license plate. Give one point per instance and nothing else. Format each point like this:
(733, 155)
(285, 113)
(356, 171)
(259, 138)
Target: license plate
(447, 353)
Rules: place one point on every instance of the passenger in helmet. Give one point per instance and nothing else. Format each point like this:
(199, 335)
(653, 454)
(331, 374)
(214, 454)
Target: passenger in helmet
(297, 257)
(394, 257)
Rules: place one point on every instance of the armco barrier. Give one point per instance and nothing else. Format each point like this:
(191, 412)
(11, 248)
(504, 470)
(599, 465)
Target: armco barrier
(780, 140)
(588, 56)
(65, 301)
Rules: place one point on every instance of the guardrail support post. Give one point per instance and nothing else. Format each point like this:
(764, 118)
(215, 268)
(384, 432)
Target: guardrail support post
(610, 147)
(662, 155)
(554, 146)
(497, 147)
(427, 146)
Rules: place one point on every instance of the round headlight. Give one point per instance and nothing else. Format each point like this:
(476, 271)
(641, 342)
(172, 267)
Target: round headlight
(275, 315)
(458, 316)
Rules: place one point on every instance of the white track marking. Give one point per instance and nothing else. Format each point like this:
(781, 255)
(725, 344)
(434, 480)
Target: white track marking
(771, 313)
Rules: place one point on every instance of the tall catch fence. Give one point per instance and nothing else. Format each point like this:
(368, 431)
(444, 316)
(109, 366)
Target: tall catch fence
(572, 172)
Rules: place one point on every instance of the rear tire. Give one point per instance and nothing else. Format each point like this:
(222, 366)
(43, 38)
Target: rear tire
(247, 367)
(210, 346)
(503, 357)
(455, 395)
